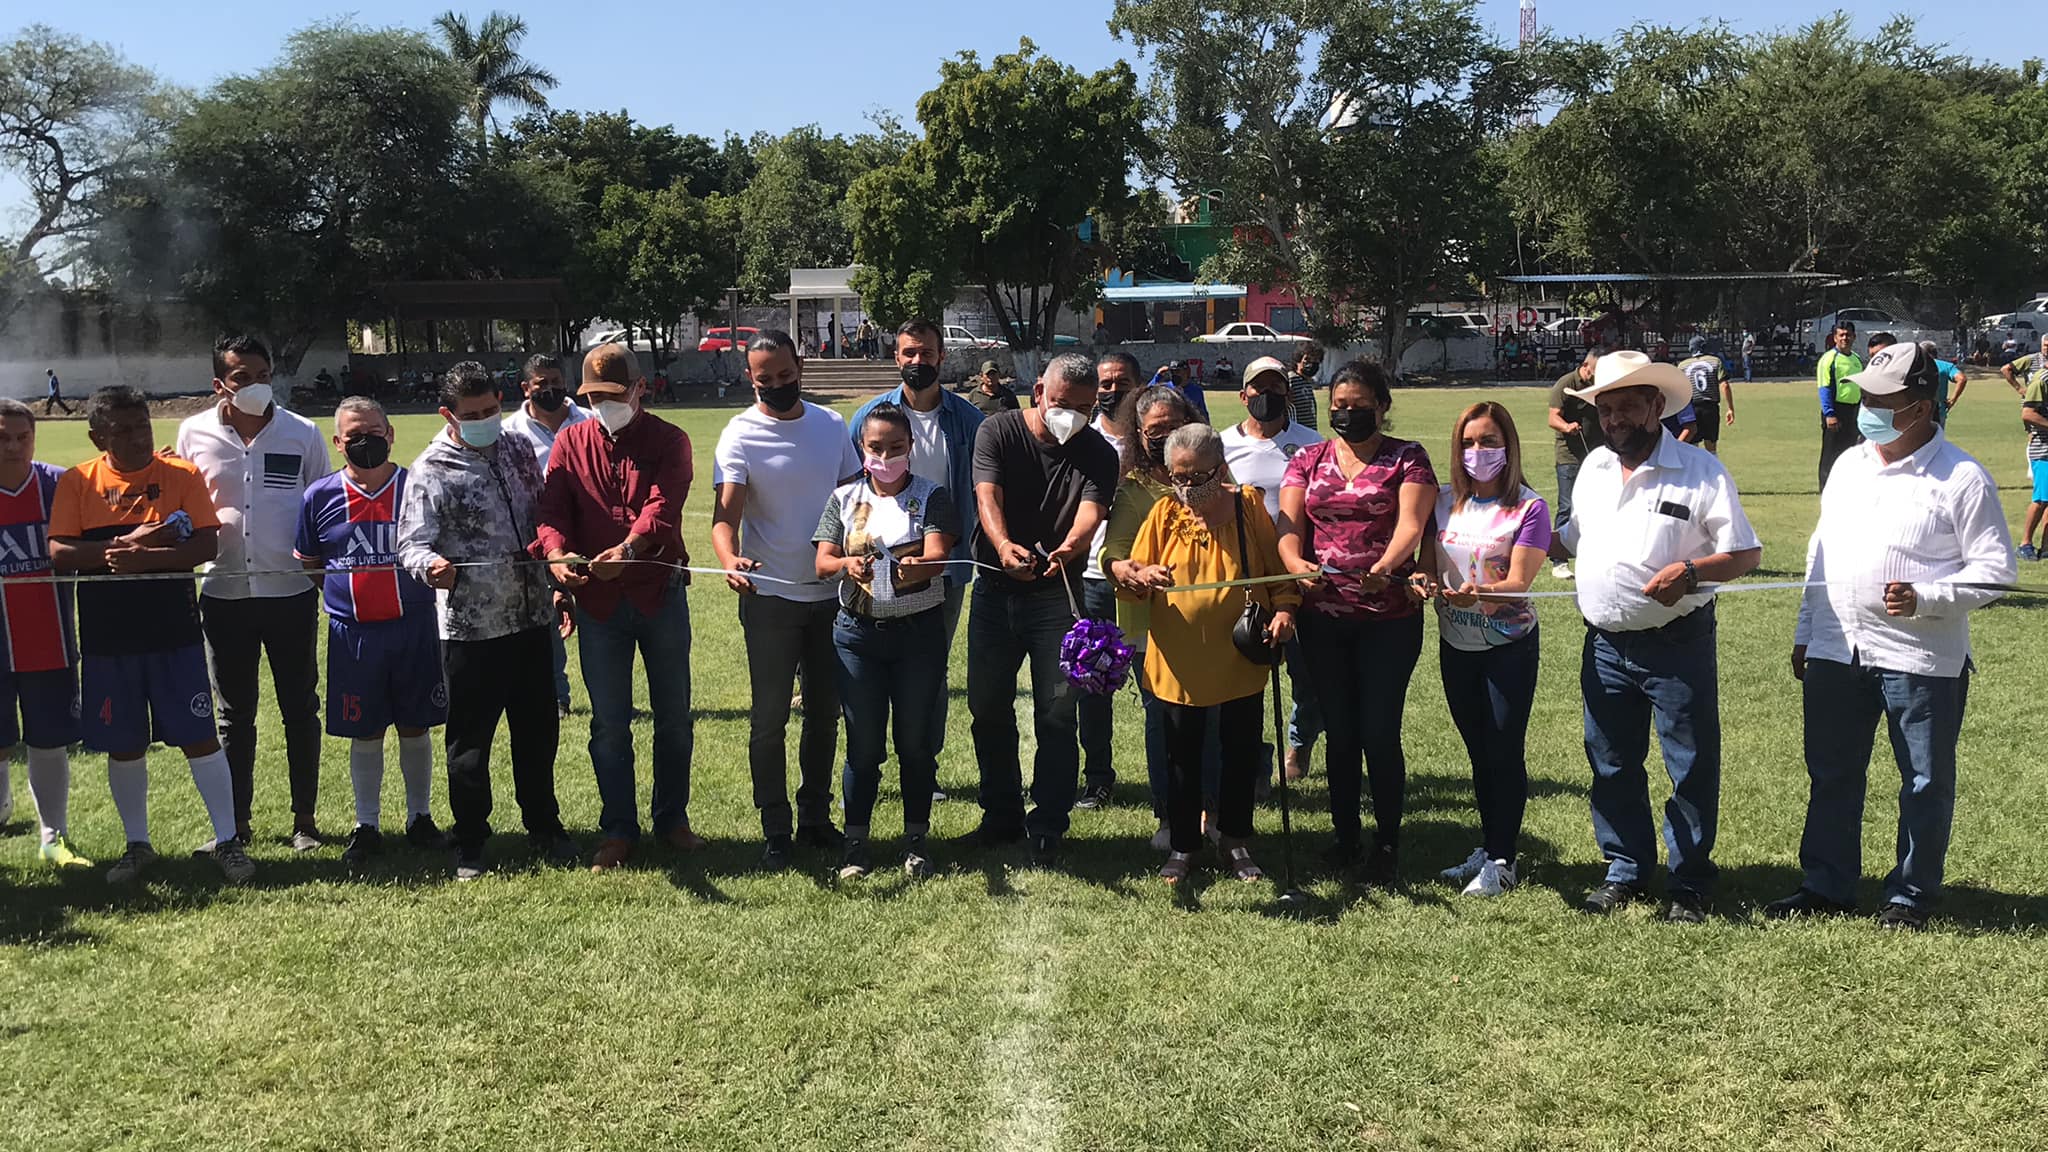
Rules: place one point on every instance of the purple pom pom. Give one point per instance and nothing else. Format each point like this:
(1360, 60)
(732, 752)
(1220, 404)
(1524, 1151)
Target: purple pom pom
(1095, 658)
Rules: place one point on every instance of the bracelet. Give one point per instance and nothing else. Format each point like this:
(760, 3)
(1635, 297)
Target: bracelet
(1692, 577)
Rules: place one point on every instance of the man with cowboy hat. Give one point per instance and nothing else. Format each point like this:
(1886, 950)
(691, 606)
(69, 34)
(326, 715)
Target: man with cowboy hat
(1655, 522)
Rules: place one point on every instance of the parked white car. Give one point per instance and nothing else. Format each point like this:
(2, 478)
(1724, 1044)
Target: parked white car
(1569, 324)
(959, 337)
(1474, 321)
(1243, 331)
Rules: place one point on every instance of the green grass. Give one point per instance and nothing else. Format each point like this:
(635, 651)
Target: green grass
(694, 1003)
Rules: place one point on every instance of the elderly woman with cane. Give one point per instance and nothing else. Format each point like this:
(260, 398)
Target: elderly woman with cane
(1210, 532)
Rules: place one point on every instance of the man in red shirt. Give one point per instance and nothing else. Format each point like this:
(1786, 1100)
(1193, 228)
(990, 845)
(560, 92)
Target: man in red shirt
(614, 496)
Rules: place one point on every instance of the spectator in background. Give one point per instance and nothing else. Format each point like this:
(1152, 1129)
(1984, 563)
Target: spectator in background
(991, 395)
(1301, 384)
(2034, 418)
(1953, 381)
(545, 413)
(1102, 338)
(1710, 390)
(1576, 425)
(258, 460)
(776, 465)
(1748, 357)
(1838, 397)
(1175, 373)
(53, 393)
(1116, 389)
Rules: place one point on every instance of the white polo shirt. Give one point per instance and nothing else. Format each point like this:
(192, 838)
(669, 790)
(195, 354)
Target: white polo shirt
(539, 435)
(1678, 505)
(257, 489)
(1931, 520)
(1262, 463)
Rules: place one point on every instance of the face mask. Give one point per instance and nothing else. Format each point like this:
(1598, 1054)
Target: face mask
(550, 399)
(887, 470)
(1155, 451)
(918, 377)
(251, 399)
(1192, 495)
(1063, 423)
(1484, 464)
(1355, 425)
(1877, 425)
(782, 397)
(1266, 407)
(1106, 403)
(1633, 441)
(479, 433)
(366, 451)
(614, 415)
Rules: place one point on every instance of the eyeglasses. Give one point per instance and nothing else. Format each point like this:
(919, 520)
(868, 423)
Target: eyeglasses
(1194, 481)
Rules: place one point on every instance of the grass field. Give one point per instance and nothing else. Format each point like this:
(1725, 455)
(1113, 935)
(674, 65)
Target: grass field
(693, 1003)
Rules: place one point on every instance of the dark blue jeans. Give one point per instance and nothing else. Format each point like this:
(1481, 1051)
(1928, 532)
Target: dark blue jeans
(1098, 600)
(1362, 669)
(1008, 625)
(561, 658)
(1305, 720)
(885, 663)
(1567, 475)
(1924, 715)
(606, 652)
(956, 599)
(1627, 677)
(783, 637)
(1490, 694)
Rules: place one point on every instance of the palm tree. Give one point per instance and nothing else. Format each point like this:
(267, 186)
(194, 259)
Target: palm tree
(492, 66)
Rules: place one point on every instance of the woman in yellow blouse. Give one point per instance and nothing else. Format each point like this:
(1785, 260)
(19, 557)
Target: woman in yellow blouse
(1210, 531)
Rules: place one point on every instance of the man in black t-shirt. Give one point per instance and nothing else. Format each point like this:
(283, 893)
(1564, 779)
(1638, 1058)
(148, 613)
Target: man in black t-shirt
(1043, 480)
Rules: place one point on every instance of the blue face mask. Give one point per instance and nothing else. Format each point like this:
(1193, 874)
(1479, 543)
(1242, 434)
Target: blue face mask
(479, 433)
(1876, 425)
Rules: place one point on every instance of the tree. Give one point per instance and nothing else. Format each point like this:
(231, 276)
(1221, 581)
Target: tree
(790, 212)
(1016, 156)
(492, 68)
(1367, 181)
(290, 195)
(74, 120)
(654, 252)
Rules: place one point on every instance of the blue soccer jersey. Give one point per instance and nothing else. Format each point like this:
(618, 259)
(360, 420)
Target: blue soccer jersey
(350, 530)
(35, 616)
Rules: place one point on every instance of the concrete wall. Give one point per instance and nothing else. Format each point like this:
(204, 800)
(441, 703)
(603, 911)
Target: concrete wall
(165, 350)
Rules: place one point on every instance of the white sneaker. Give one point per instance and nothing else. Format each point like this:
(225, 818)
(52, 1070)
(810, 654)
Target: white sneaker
(1460, 873)
(1495, 877)
(1561, 570)
(1162, 840)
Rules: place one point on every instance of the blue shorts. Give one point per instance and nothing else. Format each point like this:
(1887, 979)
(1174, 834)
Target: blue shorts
(383, 674)
(2040, 470)
(126, 697)
(48, 708)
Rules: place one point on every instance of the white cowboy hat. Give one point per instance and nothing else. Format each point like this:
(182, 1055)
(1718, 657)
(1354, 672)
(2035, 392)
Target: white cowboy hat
(1632, 369)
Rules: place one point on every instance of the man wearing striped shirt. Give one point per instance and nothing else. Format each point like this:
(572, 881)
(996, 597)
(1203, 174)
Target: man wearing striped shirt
(1911, 538)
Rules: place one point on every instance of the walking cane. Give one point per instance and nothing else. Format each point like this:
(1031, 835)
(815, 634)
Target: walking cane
(1291, 898)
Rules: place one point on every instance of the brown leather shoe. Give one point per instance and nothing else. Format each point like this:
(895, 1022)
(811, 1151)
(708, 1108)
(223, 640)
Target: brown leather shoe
(1295, 764)
(610, 854)
(682, 839)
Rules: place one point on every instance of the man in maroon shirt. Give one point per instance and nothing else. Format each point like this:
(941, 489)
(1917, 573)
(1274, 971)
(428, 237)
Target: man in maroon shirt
(614, 496)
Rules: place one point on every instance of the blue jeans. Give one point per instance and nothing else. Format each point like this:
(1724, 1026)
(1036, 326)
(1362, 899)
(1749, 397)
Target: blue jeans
(1010, 624)
(1305, 719)
(784, 637)
(606, 653)
(1567, 475)
(1490, 694)
(561, 666)
(1362, 667)
(884, 663)
(1925, 716)
(1098, 600)
(1626, 677)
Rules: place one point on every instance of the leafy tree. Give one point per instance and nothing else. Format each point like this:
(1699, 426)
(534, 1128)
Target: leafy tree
(75, 119)
(653, 250)
(492, 68)
(1016, 156)
(790, 212)
(599, 149)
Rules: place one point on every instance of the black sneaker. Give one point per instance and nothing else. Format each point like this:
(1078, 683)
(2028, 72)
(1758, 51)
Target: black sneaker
(1608, 897)
(469, 864)
(820, 836)
(1684, 906)
(1045, 851)
(1095, 796)
(1805, 902)
(556, 848)
(776, 855)
(1382, 868)
(988, 835)
(853, 861)
(422, 832)
(1903, 917)
(916, 864)
(1341, 855)
(366, 841)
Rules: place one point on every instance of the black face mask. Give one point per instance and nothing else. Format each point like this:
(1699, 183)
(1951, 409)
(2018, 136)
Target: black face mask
(1635, 440)
(550, 399)
(1355, 425)
(782, 397)
(1155, 451)
(1106, 403)
(918, 377)
(366, 451)
(1266, 407)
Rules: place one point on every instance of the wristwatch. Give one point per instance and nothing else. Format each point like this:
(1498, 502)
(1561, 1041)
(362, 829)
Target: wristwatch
(631, 552)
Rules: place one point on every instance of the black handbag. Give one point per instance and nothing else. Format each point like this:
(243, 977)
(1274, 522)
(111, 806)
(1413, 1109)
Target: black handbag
(1249, 633)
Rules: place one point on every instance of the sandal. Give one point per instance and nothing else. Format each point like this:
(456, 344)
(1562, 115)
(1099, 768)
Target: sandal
(1177, 867)
(1238, 859)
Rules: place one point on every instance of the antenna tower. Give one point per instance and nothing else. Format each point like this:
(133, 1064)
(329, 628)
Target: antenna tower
(1528, 119)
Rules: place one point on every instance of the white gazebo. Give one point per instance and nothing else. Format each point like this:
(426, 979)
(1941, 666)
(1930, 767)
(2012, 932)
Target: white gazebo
(820, 285)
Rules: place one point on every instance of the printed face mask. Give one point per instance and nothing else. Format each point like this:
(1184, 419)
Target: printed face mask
(366, 451)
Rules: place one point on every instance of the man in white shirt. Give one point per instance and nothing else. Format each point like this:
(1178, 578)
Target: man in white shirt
(546, 411)
(1654, 522)
(776, 466)
(1257, 452)
(1911, 538)
(258, 459)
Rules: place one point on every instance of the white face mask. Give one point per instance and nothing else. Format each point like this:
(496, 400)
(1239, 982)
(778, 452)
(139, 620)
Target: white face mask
(252, 399)
(614, 414)
(1063, 423)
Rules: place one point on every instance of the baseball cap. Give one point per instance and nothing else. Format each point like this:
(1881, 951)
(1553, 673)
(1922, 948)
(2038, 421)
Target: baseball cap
(1891, 369)
(609, 368)
(988, 366)
(1263, 365)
